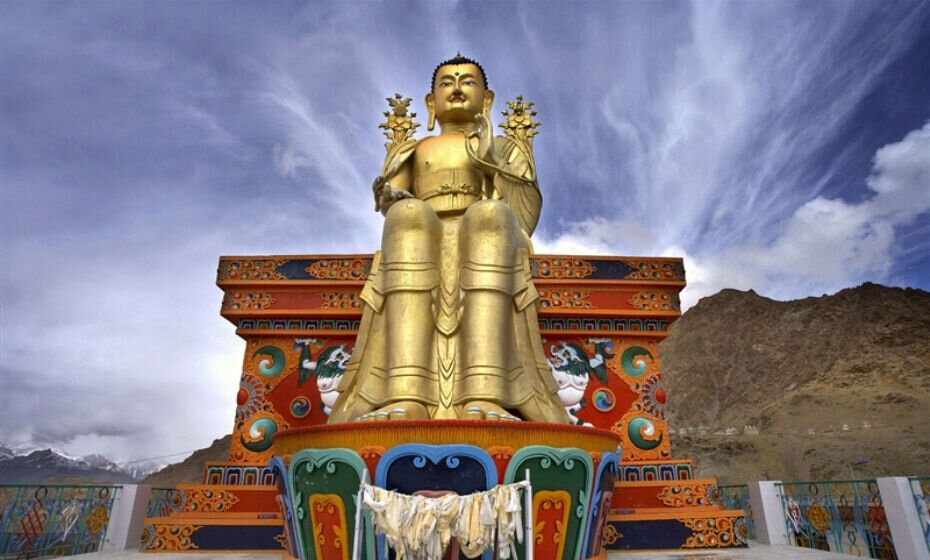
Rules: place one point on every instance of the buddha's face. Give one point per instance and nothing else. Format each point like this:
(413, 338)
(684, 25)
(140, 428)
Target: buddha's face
(459, 94)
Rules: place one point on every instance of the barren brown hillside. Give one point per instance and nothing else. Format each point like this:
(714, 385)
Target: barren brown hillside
(827, 381)
(190, 470)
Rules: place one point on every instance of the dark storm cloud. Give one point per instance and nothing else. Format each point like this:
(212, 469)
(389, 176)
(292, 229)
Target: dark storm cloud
(140, 141)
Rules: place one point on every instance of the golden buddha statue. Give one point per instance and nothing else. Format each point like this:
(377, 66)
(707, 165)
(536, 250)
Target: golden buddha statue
(449, 326)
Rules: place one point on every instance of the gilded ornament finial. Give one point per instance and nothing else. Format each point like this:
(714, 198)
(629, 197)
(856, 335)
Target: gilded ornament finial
(520, 125)
(399, 126)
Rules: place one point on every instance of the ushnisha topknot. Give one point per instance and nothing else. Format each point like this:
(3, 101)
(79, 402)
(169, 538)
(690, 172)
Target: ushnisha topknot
(458, 59)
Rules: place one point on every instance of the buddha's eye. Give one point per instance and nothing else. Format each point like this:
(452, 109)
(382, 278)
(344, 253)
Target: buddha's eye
(470, 82)
(445, 83)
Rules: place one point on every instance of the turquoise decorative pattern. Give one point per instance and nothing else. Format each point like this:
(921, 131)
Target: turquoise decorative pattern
(568, 469)
(265, 427)
(276, 365)
(604, 399)
(332, 472)
(300, 407)
(632, 366)
(638, 429)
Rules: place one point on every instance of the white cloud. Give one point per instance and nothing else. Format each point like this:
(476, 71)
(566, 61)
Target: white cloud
(595, 236)
(901, 177)
(825, 245)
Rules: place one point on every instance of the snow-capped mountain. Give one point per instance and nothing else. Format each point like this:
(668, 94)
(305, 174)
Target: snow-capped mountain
(6, 453)
(27, 466)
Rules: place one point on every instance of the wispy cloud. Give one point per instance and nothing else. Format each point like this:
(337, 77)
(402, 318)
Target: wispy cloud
(828, 243)
(725, 152)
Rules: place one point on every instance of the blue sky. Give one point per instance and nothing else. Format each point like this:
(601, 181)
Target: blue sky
(778, 146)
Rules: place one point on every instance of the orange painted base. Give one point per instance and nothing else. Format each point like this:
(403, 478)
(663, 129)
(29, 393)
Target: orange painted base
(218, 518)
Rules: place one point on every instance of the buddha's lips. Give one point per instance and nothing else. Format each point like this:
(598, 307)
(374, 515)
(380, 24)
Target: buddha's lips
(457, 97)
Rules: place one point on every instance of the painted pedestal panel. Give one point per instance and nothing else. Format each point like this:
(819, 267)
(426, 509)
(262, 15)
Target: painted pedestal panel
(415, 456)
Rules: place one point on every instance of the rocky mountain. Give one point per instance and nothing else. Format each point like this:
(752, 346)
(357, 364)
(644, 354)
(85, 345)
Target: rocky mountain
(48, 465)
(821, 388)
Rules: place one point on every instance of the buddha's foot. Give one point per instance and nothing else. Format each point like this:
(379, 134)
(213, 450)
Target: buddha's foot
(545, 410)
(484, 410)
(401, 410)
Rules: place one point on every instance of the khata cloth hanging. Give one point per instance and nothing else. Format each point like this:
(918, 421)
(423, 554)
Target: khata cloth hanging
(420, 528)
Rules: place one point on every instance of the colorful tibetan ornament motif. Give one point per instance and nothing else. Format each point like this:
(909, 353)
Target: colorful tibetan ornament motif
(603, 491)
(323, 488)
(561, 480)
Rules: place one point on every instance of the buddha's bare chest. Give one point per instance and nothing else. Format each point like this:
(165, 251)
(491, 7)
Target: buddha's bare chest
(444, 176)
(439, 153)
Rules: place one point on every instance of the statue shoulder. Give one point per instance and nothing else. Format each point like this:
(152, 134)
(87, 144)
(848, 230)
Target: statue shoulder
(399, 129)
(513, 158)
(397, 156)
(516, 181)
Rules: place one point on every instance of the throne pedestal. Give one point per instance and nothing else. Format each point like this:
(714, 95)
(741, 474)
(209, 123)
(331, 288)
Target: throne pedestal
(299, 315)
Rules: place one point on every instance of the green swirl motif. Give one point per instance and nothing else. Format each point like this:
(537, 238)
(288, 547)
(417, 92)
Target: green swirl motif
(637, 367)
(636, 429)
(266, 427)
(277, 360)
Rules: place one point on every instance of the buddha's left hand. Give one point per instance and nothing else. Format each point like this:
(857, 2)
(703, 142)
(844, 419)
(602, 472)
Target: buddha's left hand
(390, 195)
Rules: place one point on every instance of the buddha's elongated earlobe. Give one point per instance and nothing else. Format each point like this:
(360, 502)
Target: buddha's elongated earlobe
(431, 108)
(488, 101)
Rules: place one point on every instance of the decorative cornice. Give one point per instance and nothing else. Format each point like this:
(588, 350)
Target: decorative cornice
(544, 268)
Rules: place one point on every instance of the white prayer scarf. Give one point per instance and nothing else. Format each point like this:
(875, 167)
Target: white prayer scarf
(420, 528)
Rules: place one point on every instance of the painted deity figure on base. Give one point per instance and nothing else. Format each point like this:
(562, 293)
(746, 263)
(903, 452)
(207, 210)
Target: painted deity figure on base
(449, 325)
